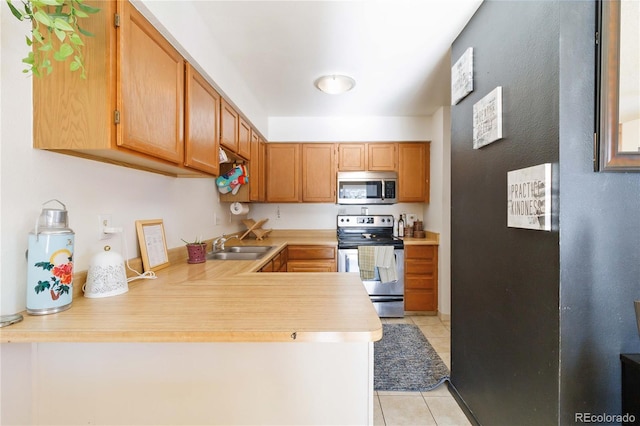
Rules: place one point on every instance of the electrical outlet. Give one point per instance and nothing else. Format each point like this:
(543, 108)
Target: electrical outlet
(278, 212)
(216, 219)
(104, 221)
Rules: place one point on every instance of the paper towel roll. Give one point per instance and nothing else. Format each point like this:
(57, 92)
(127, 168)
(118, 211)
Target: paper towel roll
(238, 208)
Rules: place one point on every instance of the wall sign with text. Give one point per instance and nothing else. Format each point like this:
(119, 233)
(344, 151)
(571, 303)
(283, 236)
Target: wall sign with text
(529, 198)
(462, 77)
(487, 119)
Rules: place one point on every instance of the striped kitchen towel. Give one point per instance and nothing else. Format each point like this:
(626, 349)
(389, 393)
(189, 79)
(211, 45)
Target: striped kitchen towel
(367, 262)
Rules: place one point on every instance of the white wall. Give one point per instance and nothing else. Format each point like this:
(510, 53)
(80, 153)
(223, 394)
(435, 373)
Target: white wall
(437, 214)
(348, 129)
(320, 216)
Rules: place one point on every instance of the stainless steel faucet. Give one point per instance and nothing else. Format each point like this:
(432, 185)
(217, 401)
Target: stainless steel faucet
(219, 242)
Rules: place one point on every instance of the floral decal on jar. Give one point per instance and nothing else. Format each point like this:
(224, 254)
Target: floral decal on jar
(61, 266)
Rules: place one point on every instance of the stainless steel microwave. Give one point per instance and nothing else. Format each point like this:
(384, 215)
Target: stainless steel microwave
(367, 188)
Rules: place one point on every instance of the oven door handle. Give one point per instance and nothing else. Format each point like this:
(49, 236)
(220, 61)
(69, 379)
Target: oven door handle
(382, 299)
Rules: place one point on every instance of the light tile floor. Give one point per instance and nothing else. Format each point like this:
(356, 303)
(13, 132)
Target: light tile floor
(436, 407)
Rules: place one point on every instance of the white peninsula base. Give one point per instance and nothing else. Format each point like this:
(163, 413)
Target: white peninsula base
(187, 383)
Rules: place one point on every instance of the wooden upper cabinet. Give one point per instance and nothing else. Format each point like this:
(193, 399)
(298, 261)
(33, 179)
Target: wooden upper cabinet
(257, 168)
(375, 156)
(202, 113)
(130, 109)
(318, 173)
(352, 157)
(228, 126)
(151, 89)
(283, 172)
(382, 157)
(244, 139)
(413, 172)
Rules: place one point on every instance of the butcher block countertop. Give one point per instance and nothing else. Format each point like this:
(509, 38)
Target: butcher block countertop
(430, 239)
(219, 301)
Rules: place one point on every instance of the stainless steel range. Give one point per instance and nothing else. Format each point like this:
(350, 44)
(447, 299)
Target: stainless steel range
(355, 234)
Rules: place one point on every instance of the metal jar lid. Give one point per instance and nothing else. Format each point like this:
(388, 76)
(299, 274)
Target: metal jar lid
(53, 220)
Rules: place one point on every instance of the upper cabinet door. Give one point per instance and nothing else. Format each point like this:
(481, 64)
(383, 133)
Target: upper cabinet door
(202, 112)
(151, 90)
(352, 157)
(228, 126)
(256, 168)
(244, 139)
(318, 173)
(382, 157)
(413, 174)
(283, 172)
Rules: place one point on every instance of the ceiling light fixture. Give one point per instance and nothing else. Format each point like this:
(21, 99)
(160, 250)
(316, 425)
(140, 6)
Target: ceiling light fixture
(334, 84)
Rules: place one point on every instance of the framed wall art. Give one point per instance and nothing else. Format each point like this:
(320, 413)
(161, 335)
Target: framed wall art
(529, 198)
(153, 245)
(462, 77)
(487, 119)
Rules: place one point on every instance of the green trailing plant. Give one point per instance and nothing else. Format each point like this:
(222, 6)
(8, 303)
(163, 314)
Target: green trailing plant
(197, 241)
(55, 33)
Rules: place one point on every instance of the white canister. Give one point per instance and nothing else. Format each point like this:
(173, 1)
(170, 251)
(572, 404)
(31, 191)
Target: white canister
(50, 263)
(106, 276)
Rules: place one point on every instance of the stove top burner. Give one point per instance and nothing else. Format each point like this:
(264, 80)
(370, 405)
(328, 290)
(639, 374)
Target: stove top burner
(354, 231)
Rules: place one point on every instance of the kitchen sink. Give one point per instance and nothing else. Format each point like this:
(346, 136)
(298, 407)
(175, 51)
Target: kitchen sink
(249, 249)
(240, 253)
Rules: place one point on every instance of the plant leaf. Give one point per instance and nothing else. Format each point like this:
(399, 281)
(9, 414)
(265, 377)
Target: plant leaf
(79, 13)
(15, 11)
(46, 47)
(87, 8)
(61, 24)
(74, 66)
(75, 39)
(85, 32)
(29, 42)
(37, 36)
(29, 59)
(60, 34)
(63, 53)
(43, 18)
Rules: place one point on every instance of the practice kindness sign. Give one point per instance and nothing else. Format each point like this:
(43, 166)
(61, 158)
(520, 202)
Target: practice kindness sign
(529, 198)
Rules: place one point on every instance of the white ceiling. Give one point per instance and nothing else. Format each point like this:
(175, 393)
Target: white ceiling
(396, 50)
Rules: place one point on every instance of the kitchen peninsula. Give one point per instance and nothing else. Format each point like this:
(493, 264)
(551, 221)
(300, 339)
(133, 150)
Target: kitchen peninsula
(209, 343)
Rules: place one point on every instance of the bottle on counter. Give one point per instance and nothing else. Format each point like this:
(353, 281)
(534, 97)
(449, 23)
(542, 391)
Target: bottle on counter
(400, 227)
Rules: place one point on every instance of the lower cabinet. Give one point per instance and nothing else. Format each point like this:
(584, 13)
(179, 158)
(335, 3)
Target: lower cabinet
(303, 259)
(421, 278)
(277, 263)
(312, 259)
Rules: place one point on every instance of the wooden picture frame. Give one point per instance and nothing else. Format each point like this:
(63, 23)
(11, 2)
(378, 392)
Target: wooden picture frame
(610, 153)
(153, 244)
